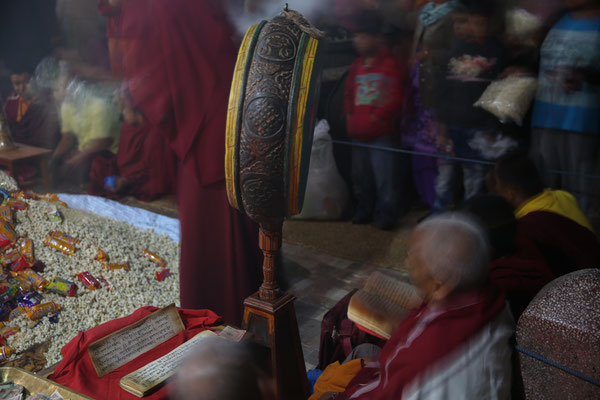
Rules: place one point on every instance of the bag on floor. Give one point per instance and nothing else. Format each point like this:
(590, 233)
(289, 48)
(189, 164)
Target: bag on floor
(326, 192)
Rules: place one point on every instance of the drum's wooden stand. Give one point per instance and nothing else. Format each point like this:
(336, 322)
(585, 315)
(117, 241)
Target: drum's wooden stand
(271, 317)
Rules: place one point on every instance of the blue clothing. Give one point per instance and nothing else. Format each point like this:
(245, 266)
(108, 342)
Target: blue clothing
(571, 43)
(431, 14)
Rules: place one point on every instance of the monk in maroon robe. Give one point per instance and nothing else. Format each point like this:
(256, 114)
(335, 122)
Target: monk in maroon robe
(178, 70)
(31, 113)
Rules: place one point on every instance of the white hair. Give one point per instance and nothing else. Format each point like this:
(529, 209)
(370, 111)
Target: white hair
(455, 247)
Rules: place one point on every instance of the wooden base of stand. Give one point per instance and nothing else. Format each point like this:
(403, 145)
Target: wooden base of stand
(274, 325)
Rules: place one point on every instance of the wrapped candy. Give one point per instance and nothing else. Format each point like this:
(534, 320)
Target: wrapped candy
(9, 257)
(8, 291)
(115, 266)
(36, 312)
(102, 257)
(162, 274)
(6, 214)
(34, 279)
(105, 283)
(154, 258)
(88, 280)
(26, 249)
(53, 198)
(6, 352)
(62, 242)
(7, 234)
(26, 194)
(22, 283)
(16, 204)
(30, 299)
(17, 312)
(20, 264)
(9, 330)
(62, 287)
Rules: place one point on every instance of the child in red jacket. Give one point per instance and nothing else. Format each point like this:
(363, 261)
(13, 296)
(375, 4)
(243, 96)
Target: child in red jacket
(372, 104)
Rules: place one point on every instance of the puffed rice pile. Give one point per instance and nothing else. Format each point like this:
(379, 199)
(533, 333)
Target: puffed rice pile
(7, 182)
(127, 291)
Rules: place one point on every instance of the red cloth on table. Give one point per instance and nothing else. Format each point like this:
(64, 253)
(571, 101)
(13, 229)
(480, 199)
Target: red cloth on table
(521, 274)
(76, 371)
(178, 67)
(427, 335)
(144, 159)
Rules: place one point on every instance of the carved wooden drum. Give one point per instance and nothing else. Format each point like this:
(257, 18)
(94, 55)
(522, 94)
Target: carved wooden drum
(271, 119)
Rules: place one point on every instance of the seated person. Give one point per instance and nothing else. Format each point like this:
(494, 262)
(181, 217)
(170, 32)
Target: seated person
(144, 166)
(551, 218)
(219, 369)
(457, 341)
(31, 113)
(518, 267)
(89, 122)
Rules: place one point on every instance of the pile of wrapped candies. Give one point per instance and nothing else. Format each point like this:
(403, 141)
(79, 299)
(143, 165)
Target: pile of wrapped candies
(65, 270)
(13, 391)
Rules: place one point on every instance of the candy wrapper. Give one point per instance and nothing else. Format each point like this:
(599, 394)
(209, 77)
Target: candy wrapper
(105, 283)
(16, 204)
(54, 215)
(8, 291)
(62, 242)
(101, 256)
(36, 312)
(154, 258)
(26, 195)
(9, 257)
(7, 234)
(162, 274)
(53, 198)
(62, 287)
(5, 353)
(115, 266)
(6, 214)
(35, 280)
(30, 299)
(17, 312)
(23, 284)
(4, 311)
(8, 331)
(88, 280)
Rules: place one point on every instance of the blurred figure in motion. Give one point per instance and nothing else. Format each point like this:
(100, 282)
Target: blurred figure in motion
(179, 78)
(476, 58)
(89, 123)
(144, 165)
(566, 116)
(372, 105)
(457, 342)
(219, 369)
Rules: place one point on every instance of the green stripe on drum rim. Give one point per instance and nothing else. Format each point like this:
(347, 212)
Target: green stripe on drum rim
(314, 90)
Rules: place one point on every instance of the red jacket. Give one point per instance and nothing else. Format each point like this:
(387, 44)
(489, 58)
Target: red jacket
(373, 97)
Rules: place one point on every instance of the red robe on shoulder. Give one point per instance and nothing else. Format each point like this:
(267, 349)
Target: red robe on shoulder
(521, 274)
(38, 125)
(566, 245)
(180, 80)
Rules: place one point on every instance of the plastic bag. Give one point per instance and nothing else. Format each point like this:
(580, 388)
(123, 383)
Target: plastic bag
(509, 99)
(492, 147)
(326, 192)
(521, 24)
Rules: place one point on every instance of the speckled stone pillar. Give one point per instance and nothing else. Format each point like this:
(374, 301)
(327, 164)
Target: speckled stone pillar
(562, 324)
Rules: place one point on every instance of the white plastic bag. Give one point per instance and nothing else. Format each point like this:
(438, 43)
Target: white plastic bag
(509, 99)
(326, 192)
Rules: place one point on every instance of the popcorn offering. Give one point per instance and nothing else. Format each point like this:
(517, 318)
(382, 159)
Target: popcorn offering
(154, 258)
(33, 284)
(62, 242)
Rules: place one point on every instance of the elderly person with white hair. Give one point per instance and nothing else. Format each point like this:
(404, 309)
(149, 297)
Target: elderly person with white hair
(456, 344)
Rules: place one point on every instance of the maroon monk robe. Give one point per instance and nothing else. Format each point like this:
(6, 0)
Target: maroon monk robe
(180, 77)
(39, 126)
(521, 274)
(144, 159)
(424, 338)
(566, 245)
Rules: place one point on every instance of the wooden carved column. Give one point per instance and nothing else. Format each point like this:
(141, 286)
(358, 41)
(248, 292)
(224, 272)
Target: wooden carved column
(269, 137)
